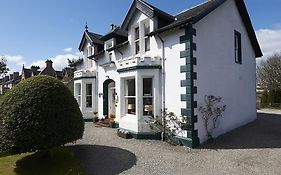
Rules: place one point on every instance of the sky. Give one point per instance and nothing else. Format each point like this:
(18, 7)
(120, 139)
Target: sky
(32, 31)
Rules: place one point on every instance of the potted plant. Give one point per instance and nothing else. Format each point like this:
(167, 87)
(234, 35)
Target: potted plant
(95, 117)
(112, 123)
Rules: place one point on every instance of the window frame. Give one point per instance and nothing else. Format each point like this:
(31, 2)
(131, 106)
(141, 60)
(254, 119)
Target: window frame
(146, 38)
(79, 93)
(237, 47)
(127, 96)
(147, 96)
(89, 95)
(137, 40)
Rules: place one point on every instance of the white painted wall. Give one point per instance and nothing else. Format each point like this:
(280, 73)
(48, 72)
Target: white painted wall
(173, 75)
(217, 72)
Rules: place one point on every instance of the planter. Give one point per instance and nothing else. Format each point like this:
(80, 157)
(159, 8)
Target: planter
(95, 119)
(124, 134)
(112, 124)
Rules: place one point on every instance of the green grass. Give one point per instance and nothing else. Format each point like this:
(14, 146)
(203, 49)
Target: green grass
(60, 162)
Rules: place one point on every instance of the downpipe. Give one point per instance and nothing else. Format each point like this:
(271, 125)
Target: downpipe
(163, 82)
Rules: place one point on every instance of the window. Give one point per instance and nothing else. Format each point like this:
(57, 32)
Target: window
(147, 97)
(237, 47)
(89, 96)
(130, 96)
(78, 92)
(89, 51)
(137, 40)
(146, 38)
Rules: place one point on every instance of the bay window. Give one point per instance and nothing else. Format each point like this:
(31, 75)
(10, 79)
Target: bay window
(147, 96)
(130, 96)
(78, 93)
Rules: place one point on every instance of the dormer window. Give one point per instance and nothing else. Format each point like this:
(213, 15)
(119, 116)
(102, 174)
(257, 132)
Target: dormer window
(146, 38)
(137, 40)
(90, 51)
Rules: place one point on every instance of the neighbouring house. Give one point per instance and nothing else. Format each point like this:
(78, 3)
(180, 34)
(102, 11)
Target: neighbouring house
(35, 70)
(157, 62)
(8, 82)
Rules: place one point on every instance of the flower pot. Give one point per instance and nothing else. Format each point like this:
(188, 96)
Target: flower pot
(112, 124)
(95, 119)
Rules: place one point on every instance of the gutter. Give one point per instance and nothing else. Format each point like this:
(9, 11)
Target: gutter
(163, 82)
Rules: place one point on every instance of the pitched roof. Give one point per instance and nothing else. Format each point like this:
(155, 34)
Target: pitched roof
(29, 72)
(148, 9)
(117, 32)
(91, 37)
(195, 14)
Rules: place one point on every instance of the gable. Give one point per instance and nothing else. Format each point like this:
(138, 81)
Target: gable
(147, 9)
(195, 14)
(89, 37)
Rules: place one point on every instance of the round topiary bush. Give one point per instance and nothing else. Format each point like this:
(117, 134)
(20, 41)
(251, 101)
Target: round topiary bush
(37, 114)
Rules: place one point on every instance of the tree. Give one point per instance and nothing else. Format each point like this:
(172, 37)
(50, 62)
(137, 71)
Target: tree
(38, 114)
(3, 66)
(269, 73)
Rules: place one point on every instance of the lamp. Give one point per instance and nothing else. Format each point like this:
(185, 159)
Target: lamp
(100, 94)
(148, 108)
(131, 106)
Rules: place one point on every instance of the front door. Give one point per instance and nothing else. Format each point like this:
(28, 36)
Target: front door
(111, 100)
(108, 97)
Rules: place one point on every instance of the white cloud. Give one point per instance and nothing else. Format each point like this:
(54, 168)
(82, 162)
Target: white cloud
(59, 61)
(67, 50)
(14, 62)
(270, 41)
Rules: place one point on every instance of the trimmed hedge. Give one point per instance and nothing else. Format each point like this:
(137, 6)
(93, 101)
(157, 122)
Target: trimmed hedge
(37, 114)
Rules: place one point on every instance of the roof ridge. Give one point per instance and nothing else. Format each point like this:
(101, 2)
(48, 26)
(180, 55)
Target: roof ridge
(191, 8)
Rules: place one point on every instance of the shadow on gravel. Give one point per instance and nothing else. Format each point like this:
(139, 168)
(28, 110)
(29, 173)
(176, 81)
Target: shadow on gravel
(96, 159)
(265, 132)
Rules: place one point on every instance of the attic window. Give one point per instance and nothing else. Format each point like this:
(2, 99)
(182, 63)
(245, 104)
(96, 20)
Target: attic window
(237, 47)
(137, 40)
(146, 38)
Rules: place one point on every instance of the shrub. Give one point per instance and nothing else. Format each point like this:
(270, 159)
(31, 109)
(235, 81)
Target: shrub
(38, 114)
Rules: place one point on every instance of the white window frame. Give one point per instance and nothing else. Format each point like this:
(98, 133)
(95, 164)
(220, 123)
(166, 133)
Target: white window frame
(127, 97)
(89, 95)
(146, 37)
(148, 96)
(137, 40)
(78, 89)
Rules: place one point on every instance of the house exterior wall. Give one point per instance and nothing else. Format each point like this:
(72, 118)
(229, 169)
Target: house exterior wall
(173, 61)
(135, 123)
(217, 72)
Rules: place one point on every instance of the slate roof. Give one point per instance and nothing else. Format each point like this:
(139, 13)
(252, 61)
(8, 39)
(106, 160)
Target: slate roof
(195, 14)
(168, 22)
(117, 32)
(93, 38)
(28, 72)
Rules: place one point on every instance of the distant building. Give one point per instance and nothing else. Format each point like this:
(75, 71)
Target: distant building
(34, 70)
(8, 82)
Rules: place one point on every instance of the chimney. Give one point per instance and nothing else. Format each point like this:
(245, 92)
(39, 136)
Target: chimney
(11, 76)
(34, 68)
(112, 27)
(16, 75)
(49, 63)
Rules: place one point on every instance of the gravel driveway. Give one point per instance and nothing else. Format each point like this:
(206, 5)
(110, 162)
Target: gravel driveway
(252, 149)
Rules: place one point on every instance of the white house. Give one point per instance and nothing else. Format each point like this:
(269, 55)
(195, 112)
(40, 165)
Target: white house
(156, 62)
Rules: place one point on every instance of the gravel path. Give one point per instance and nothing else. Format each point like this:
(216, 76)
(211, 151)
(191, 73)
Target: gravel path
(252, 149)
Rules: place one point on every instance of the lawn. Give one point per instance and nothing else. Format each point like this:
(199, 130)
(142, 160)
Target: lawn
(60, 162)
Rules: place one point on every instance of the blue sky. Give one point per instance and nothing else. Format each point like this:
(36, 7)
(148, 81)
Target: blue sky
(33, 30)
